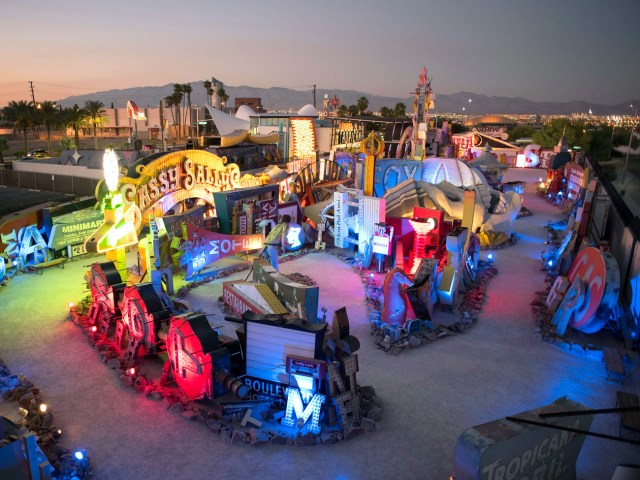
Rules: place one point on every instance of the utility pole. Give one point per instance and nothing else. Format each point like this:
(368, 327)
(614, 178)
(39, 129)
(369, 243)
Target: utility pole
(33, 97)
(314, 96)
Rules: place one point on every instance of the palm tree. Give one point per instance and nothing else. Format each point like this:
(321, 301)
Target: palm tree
(222, 95)
(4, 145)
(76, 118)
(21, 113)
(400, 110)
(386, 112)
(187, 89)
(169, 101)
(177, 96)
(96, 117)
(173, 102)
(362, 105)
(49, 116)
(207, 86)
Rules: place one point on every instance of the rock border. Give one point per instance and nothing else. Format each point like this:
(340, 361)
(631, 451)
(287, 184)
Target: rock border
(20, 389)
(470, 307)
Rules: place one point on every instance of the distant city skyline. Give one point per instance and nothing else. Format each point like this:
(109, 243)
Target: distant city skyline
(541, 51)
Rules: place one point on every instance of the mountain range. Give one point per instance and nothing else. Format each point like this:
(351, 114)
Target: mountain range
(286, 99)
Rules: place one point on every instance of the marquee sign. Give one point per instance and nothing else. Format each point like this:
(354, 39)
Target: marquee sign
(304, 138)
(177, 176)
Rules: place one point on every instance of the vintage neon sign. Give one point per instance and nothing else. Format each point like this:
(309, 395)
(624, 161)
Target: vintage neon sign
(26, 246)
(600, 273)
(304, 138)
(297, 414)
(206, 247)
(178, 176)
(73, 228)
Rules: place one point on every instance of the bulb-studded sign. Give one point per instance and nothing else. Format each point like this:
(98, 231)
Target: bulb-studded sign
(190, 342)
(600, 274)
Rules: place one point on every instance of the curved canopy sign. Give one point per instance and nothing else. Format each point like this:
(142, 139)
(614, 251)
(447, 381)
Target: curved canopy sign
(158, 186)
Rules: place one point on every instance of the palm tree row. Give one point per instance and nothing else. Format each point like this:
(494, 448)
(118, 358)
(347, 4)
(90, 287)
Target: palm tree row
(180, 101)
(25, 115)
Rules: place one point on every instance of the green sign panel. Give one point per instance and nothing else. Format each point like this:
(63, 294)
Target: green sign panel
(74, 228)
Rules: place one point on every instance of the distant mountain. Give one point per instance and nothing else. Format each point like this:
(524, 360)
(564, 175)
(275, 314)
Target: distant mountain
(285, 99)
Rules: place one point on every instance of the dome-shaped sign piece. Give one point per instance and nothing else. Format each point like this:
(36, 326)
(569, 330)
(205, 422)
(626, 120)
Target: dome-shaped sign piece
(599, 273)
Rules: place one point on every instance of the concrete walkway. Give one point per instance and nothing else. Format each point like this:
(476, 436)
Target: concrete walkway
(431, 394)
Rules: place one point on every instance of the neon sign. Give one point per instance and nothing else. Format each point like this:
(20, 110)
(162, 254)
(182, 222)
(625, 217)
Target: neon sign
(296, 415)
(206, 247)
(26, 246)
(304, 138)
(178, 176)
(600, 273)
(110, 167)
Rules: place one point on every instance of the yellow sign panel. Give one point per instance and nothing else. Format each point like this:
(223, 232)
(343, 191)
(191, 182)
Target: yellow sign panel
(372, 146)
(178, 176)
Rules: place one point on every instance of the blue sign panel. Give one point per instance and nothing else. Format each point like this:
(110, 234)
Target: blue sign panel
(390, 172)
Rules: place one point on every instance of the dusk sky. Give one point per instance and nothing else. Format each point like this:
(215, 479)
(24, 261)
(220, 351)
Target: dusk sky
(540, 50)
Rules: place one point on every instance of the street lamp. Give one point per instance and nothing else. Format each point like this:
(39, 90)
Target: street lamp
(470, 106)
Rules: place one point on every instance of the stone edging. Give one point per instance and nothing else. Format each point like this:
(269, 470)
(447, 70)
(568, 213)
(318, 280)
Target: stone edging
(20, 389)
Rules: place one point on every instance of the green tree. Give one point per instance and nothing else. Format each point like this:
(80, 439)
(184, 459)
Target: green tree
(67, 144)
(520, 131)
(400, 110)
(96, 117)
(50, 117)
(76, 118)
(177, 102)
(386, 112)
(222, 95)
(353, 110)
(575, 132)
(173, 103)
(21, 114)
(343, 111)
(4, 145)
(208, 87)
(362, 104)
(187, 89)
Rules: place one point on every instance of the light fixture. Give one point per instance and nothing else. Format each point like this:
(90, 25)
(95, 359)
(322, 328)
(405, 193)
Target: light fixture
(43, 408)
(79, 455)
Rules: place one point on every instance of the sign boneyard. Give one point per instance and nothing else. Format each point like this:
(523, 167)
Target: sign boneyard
(284, 380)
